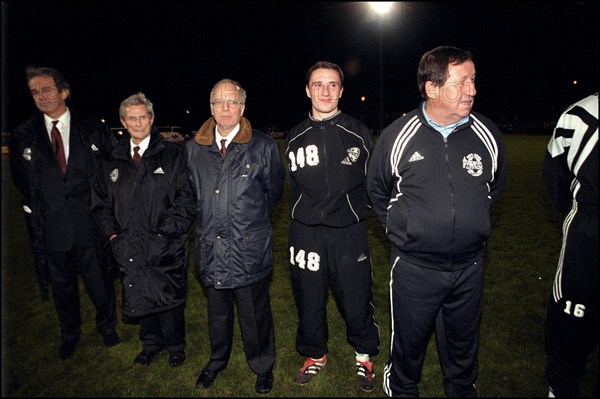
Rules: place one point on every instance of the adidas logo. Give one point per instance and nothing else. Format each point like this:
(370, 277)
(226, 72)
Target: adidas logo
(416, 157)
(159, 171)
(362, 257)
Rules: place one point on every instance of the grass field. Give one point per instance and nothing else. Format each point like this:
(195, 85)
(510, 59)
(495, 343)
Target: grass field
(521, 261)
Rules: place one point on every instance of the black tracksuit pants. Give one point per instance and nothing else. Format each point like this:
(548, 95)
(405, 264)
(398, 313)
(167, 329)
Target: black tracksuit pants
(320, 256)
(422, 297)
(572, 318)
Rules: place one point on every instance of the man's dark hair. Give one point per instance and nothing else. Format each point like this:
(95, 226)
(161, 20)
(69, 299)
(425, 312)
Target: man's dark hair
(33, 71)
(325, 65)
(434, 65)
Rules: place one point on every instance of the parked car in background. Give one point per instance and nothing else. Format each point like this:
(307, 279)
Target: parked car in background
(169, 133)
(172, 133)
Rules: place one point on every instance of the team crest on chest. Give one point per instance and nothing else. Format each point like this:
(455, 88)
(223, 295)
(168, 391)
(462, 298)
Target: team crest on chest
(27, 154)
(472, 163)
(353, 155)
(114, 175)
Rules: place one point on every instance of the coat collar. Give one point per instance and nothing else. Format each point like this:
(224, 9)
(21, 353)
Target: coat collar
(206, 134)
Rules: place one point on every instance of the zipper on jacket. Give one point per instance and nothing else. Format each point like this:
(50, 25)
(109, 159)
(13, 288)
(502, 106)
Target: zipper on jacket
(322, 128)
(451, 252)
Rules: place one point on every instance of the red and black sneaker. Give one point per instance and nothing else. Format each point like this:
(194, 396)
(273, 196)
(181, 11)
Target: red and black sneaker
(310, 368)
(366, 375)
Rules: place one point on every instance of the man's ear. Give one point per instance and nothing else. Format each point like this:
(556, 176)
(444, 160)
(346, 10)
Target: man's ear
(431, 90)
(65, 94)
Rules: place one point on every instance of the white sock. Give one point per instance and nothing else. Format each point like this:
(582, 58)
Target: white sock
(362, 357)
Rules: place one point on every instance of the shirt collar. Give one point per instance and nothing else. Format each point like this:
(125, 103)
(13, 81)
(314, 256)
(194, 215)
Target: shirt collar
(143, 144)
(445, 130)
(229, 137)
(64, 121)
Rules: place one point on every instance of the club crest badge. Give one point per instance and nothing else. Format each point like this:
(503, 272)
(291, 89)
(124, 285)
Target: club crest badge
(114, 175)
(27, 154)
(353, 155)
(472, 163)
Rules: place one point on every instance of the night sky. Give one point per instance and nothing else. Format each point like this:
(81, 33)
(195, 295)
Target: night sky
(527, 55)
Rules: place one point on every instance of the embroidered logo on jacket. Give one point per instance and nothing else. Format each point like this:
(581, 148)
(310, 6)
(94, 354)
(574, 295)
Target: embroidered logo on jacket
(472, 163)
(362, 257)
(114, 175)
(27, 154)
(159, 171)
(353, 155)
(94, 148)
(416, 157)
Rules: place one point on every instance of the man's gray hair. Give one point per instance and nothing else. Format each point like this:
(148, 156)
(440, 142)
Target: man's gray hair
(136, 99)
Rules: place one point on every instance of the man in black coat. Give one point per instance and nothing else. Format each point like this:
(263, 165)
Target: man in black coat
(54, 157)
(145, 207)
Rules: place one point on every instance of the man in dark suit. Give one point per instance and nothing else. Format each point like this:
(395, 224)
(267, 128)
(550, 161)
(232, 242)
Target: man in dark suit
(54, 157)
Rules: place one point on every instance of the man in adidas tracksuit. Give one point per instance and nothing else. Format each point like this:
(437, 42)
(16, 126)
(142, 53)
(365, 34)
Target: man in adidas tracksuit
(433, 177)
(327, 156)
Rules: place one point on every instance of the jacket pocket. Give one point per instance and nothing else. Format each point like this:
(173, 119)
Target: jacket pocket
(159, 250)
(120, 249)
(202, 252)
(258, 254)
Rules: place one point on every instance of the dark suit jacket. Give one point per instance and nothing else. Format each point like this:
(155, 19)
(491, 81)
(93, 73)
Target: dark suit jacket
(61, 204)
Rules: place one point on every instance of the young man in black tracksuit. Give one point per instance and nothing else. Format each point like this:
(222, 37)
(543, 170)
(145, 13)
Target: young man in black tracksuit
(571, 175)
(327, 156)
(434, 175)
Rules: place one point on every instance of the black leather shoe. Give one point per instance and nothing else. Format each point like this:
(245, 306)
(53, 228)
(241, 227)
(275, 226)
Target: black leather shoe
(176, 358)
(206, 378)
(264, 382)
(145, 357)
(67, 348)
(111, 339)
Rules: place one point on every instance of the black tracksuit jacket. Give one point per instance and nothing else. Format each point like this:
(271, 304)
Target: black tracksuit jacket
(433, 194)
(338, 150)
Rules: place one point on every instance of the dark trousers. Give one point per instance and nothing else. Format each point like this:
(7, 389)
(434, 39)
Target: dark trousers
(340, 257)
(164, 330)
(256, 325)
(63, 272)
(450, 300)
(41, 268)
(571, 330)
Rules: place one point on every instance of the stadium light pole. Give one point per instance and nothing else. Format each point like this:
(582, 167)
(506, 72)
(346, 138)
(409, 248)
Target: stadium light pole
(381, 8)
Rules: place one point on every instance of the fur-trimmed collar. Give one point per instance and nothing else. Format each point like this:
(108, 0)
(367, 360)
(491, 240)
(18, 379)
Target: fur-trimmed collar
(206, 134)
